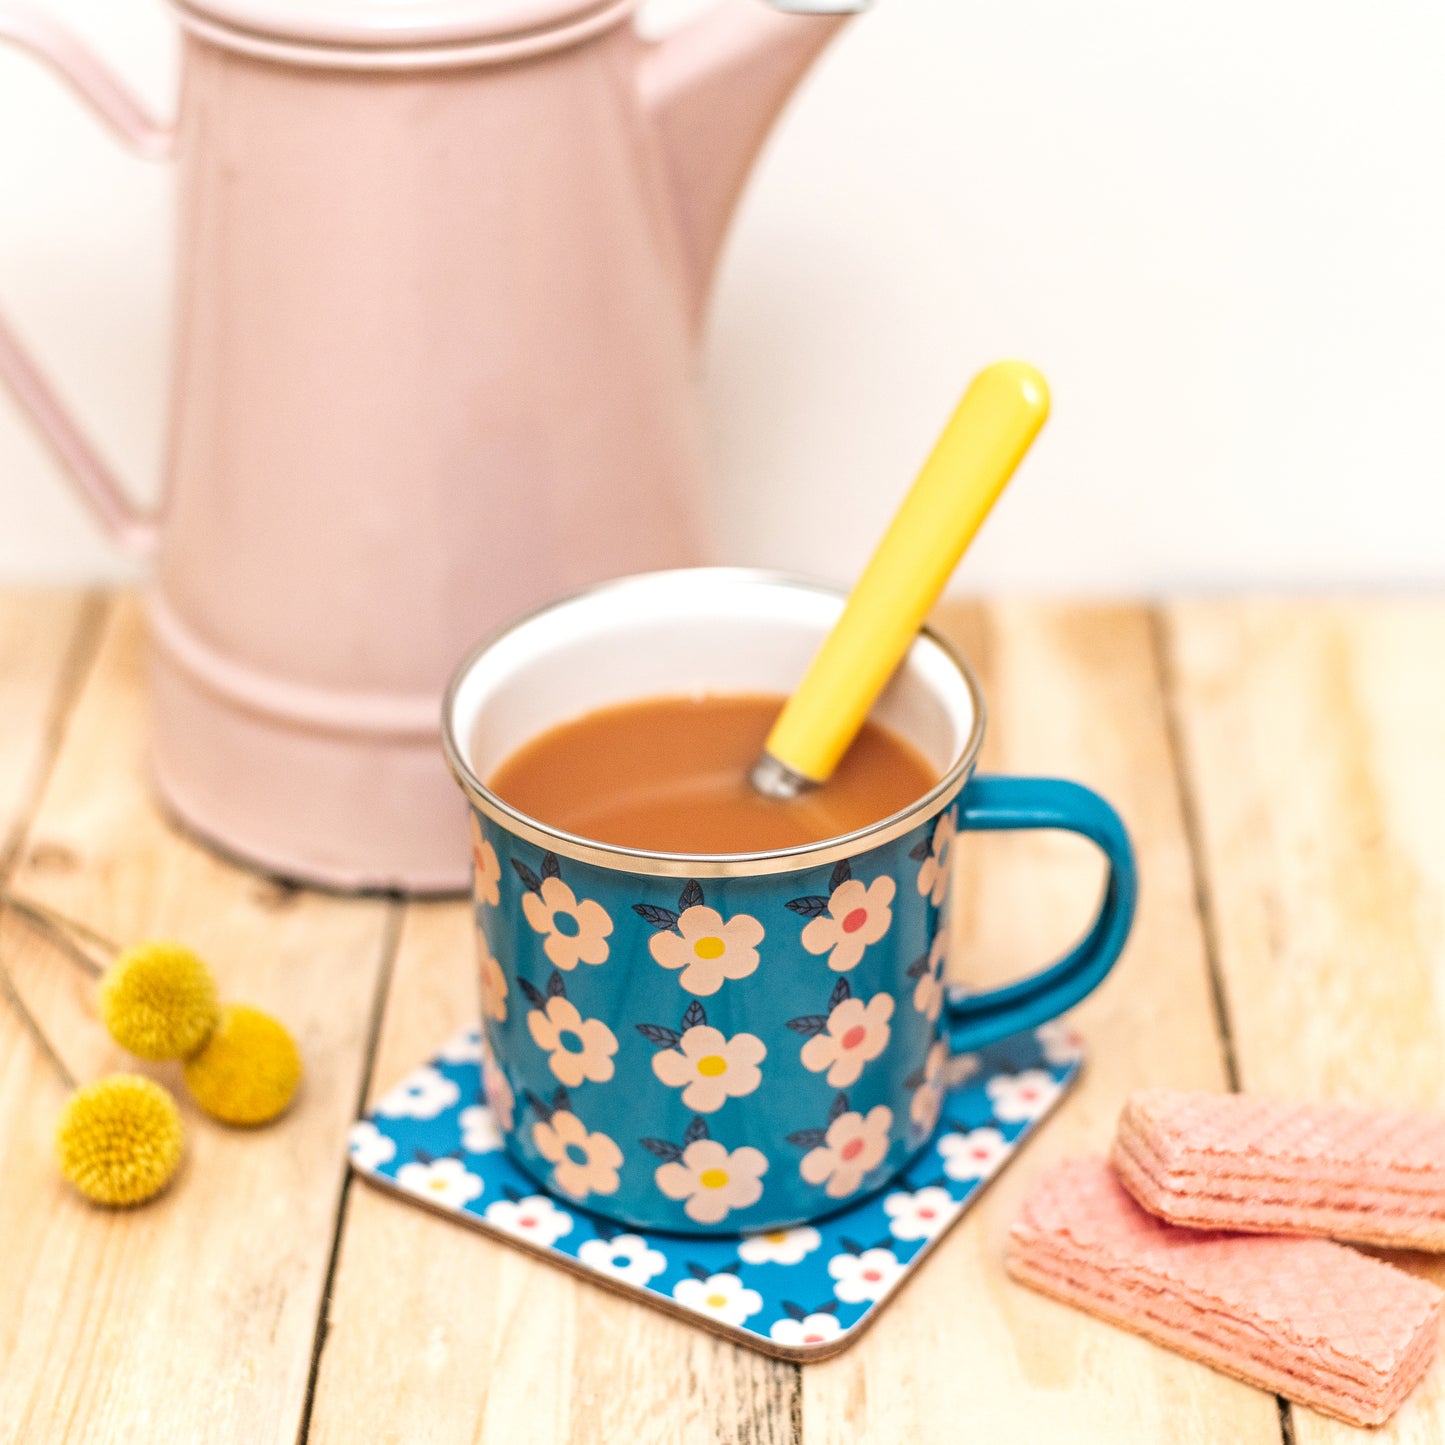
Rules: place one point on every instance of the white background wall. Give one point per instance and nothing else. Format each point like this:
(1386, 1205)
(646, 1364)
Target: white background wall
(1219, 229)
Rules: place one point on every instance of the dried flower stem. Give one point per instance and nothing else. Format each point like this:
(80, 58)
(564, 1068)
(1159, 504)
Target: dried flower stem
(61, 931)
(32, 1027)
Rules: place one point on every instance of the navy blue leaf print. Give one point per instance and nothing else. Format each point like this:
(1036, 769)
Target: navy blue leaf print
(555, 987)
(691, 896)
(696, 1130)
(831, 1308)
(561, 1100)
(515, 1195)
(838, 1107)
(422, 1157)
(656, 1034)
(542, 1109)
(535, 996)
(606, 1231)
(851, 1245)
(660, 918)
(915, 1079)
(840, 992)
(920, 850)
(807, 1138)
(661, 1148)
(529, 879)
(919, 966)
(808, 1024)
(550, 867)
(695, 1016)
(796, 1312)
(813, 906)
(841, 874)
(698, 1271)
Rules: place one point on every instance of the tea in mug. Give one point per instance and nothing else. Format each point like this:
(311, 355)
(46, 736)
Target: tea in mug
(670, 775)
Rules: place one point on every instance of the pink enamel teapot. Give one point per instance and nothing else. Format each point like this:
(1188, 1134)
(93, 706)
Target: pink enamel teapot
(440, 271)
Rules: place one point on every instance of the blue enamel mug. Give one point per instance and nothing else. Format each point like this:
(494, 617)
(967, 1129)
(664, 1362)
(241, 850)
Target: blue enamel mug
(715, 1044)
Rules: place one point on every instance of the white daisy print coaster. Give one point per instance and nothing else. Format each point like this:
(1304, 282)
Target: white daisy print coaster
(798, 1294)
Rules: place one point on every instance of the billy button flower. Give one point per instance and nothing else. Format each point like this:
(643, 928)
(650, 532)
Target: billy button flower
(119, 1140)
(158, 1000)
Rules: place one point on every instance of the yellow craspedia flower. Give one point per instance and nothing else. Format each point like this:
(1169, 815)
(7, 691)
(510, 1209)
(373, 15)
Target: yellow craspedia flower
(119, 1139)
(248, 1071)
(158, 1000)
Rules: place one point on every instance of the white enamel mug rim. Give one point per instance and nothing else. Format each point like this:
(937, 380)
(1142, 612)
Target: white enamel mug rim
(932, 672)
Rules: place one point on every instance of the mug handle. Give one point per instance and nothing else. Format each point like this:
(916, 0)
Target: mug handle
(995, 804)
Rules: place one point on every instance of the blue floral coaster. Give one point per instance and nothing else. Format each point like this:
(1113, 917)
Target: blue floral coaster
(799, 1294)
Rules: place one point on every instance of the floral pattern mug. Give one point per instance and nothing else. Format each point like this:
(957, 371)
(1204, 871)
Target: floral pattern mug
(743, 1042)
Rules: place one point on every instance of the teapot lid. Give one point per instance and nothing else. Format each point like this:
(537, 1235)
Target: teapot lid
(398, 23)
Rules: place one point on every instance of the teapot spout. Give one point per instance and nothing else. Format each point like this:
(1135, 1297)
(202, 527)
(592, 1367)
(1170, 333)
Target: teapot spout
(713, 90)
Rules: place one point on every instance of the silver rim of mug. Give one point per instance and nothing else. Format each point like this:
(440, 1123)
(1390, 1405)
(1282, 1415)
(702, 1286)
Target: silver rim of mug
(705, 865)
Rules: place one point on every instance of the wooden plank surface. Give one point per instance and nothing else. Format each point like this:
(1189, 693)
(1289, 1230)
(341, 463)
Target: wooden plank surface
(965, 1352)
(441, 1334)
(1315, 746)
(1314, 794)
(193, 1319)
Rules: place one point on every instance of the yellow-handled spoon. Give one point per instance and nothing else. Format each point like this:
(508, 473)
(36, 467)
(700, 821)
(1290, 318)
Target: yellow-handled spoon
(986, 438)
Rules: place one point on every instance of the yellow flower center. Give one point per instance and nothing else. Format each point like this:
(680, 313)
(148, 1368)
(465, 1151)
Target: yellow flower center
(710, 947)
(717, 1301)
(713, 1178)
(776, 1236)
(711, 1066)
(436, 1184)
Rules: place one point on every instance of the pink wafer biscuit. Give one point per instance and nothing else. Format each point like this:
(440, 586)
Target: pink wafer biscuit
(1311, 1320)
(1227, 1161)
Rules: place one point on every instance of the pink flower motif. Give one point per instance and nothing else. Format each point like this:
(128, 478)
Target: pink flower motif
(575, 930)
(927, 1101)
(974, 1155)
(1019, 1098)
(494, 983)
(815, 1329)
(498, 1092)
(924, 1214)
(854, 1034)
(708, 948)
(582, 1163)
(928, 991)
(711, 1068)
(854, 1145)
(576, 1048)
(867, 1276)
(856, 916)
(486, 871)
(713, 1180)
(933, 874)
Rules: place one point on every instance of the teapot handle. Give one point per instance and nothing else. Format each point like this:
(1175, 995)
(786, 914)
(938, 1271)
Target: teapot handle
(146, 137)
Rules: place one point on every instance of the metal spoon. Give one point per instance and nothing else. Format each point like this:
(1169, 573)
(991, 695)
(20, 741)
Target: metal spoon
(982, 445)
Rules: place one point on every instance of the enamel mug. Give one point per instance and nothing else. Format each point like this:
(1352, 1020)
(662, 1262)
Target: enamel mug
(727, 1043)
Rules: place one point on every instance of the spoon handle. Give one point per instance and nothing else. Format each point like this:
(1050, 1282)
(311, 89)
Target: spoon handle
(983, 443)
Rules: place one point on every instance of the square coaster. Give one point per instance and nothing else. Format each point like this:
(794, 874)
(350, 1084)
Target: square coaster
(798, 1294)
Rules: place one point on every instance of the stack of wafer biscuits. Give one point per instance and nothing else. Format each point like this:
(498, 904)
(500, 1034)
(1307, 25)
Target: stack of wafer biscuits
(1228, 1161)
(1197, 1235)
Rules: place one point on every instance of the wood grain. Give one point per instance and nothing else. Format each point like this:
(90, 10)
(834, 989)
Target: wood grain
(192, 1319)
(965, 1352)
(441, 1334)
(1315, 742)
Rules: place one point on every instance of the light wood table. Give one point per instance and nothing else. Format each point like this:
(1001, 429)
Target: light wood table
(1282, 767)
